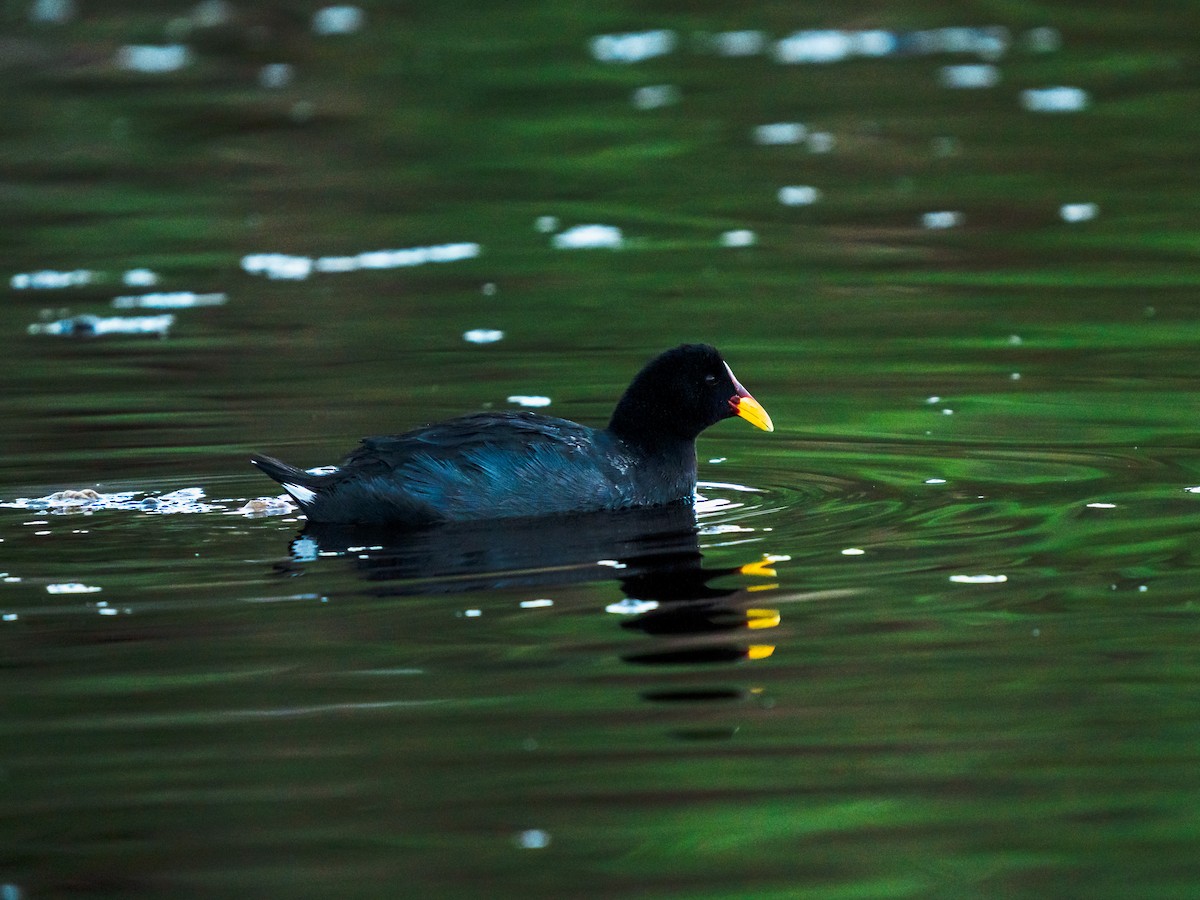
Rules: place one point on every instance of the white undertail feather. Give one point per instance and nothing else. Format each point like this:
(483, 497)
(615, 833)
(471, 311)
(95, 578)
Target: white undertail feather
(302, 494)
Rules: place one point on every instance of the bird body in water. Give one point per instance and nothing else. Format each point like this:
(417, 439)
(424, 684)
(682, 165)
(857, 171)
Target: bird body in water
(514, 464)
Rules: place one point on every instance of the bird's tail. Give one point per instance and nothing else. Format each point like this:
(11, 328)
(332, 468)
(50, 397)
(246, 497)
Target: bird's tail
(300, 484)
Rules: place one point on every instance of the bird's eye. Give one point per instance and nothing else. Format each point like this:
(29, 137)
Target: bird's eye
(710, 379)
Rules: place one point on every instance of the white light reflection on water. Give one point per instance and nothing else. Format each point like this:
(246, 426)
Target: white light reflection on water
(1078, 212)
(89, 325)
(740, 237)
(969, 77)
(289, 267)
(780, 133)
(655, 96)
(748, 42)
(153, 58)
(169, 300)
(633, 46)
(530, 400)
(334, 20)
(799, 195)
(582, 237)
(1055, 99)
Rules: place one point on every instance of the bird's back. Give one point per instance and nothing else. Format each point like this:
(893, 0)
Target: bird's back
(488, 465)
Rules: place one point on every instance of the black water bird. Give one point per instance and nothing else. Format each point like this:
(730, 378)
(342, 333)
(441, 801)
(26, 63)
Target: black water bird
(514, 464)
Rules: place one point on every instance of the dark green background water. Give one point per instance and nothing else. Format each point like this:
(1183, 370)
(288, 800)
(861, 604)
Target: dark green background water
(229, 716)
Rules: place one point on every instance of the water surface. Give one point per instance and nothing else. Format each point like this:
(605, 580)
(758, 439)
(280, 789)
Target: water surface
(935, 636)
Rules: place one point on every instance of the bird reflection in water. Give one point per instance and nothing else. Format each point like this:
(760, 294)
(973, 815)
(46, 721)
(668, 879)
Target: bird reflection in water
(653, 554)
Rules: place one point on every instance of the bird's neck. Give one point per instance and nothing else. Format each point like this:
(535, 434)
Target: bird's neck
(645, 422)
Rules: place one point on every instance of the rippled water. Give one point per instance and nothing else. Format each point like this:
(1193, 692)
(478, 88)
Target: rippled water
(935, 636)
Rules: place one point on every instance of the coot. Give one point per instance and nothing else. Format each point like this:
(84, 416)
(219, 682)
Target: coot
(508, 464)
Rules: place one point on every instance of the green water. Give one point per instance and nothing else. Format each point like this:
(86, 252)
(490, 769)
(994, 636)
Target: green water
(229, 705)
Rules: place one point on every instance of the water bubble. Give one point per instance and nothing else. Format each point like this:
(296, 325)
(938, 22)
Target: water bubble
(541, 603)
(979, 579)
(853, 551)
